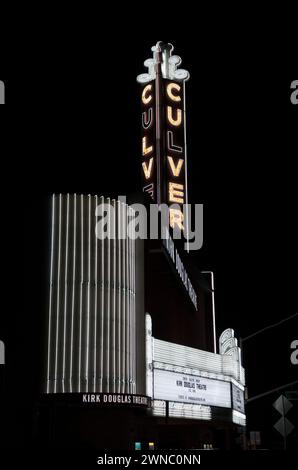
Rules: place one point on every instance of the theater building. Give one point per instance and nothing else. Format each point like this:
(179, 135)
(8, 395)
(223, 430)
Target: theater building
(133, 356)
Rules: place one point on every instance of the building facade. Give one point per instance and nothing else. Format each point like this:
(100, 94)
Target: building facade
(131, 331)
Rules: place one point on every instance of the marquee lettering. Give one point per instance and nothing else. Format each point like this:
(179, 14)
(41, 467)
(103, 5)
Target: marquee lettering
(177, 120)
(176, 167)
(146, 149)
(176, 193)
(147, 97)
(164, 180)
(175, 152)
(171, 146)
(149, 139)
(147, 119)
(148, 169)
(170, 91)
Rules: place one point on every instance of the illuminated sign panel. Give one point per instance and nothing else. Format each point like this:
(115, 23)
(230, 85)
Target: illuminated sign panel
(115, 399)
(184, 388)
(238, 399)
(101, 399)
(174, 149)
(149, 162)
(164, 165)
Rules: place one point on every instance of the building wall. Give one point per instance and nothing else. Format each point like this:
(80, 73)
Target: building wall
(173, 314)
(96, 315)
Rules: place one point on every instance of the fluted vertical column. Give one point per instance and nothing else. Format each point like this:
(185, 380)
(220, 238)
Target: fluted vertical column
(91, 343)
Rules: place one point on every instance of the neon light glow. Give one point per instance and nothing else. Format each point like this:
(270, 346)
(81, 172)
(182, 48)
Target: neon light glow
(170, 88)
(176, 122)
(146, 150)
(147, 98)
(148, 169)
(176, 169)
(176, 193)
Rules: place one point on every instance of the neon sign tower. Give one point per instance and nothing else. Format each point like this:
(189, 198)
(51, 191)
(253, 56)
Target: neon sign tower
(164, 155)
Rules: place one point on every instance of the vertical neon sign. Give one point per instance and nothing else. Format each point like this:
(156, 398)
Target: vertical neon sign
(164, 157)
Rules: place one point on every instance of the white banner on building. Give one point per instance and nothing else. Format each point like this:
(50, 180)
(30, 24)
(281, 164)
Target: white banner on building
(172, 386)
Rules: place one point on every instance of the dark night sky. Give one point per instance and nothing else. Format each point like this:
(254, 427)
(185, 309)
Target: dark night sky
(78, 130)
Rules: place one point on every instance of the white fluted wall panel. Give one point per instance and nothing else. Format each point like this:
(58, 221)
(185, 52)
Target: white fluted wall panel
(92, 307)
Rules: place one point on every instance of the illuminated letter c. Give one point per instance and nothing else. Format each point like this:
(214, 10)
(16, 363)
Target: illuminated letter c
(146, 97)
(170, 88)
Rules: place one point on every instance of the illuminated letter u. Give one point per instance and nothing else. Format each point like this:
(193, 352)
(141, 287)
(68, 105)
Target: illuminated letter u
(147, 119)
(178, 120)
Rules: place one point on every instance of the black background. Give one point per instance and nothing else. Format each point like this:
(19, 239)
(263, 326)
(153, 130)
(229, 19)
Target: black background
(72, 124)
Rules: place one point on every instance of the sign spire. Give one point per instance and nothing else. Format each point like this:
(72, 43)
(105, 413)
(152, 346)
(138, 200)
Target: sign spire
(170, 64)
